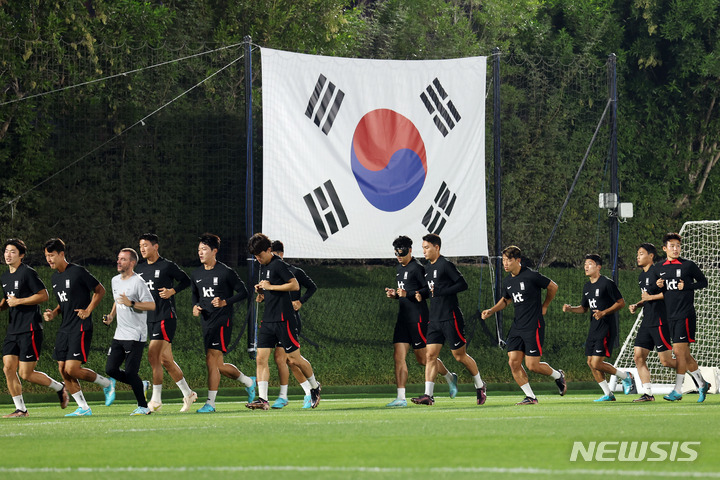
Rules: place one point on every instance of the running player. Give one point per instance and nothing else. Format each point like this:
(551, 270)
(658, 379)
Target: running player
(523, 287)
(164, 279)
(602, 297)
(446, 321)
(653, 332)
(132, 302)
(279, 324)
(412, 320)
(23, 291)
(78, 294)
(281, 360)
(679, 278)
(213, 284)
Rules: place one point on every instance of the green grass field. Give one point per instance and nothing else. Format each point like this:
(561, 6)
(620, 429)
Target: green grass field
(353, 436)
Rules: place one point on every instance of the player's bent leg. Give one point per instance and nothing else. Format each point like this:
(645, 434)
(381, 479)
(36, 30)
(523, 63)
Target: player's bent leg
(400, 351)
(667, 360)
(10, 369)
(282, 366)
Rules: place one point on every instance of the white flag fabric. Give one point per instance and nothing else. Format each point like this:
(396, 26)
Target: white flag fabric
(357, 152)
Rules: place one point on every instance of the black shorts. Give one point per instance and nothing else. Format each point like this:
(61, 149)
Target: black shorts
(280, 334)
(72, 346)
(218, 337)
(598, 346)
(657, 338)
(298, 324)
(162, 330)
(26, 346)
(413, 333)
(451, 330)
(528, 341)
(683, 330)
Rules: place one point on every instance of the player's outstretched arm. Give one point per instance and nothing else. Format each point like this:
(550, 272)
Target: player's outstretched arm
(501, 304)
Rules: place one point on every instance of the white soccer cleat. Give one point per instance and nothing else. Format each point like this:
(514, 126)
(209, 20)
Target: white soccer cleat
(188, 401)
(154, 406)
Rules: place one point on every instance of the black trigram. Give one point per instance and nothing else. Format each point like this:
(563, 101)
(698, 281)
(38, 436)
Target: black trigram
(443, 112)
(326, 210)
(437, 215)
(331, 96)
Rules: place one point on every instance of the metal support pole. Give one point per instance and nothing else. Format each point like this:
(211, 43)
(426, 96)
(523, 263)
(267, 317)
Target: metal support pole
(249, 196)
(498, 190)
(614, 184)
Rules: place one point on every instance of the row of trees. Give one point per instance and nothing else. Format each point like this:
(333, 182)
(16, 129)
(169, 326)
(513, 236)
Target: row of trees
(79, 163)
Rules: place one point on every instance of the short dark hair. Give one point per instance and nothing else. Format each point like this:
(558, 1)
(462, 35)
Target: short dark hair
(594, 257)
(132, 252)
(211, 240)
(650, 249)
(150, 237)
(54, 245)
(512, 251)
(671, 236)
(433, 238)
(277, 246)
(259, 243)
(402, 242)
(17, 243)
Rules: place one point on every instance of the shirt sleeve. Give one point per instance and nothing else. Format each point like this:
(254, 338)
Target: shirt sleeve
(457, 282)
(307, 283)
(89, 279)
(34, 282)
(194, 294)
(698, 276)
(613, 291)
(237, 286)
(143, 291)
(182, 278)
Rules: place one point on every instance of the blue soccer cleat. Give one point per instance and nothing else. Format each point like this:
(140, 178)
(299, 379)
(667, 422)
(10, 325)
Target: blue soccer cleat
(453, 385)
(141, 411)
(703, 392)
(307, 401)
(80, 412)
(606, 398)
(398, 402)
(628, 384)
(207, 408)
(673, 396)
(109, 392)
(280, 403)
(251, 390)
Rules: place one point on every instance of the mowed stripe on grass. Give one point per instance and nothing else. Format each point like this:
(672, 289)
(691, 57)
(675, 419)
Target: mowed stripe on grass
(360, 438)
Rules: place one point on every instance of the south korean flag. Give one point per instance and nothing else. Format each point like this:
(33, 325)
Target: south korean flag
(357, 152)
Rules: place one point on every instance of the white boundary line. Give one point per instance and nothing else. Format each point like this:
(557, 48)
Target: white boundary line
(323, 469)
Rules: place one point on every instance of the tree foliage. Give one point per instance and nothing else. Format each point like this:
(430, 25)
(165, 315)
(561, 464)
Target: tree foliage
(85, 150)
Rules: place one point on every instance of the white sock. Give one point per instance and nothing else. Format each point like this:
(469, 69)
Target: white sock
(555, 374)
(401, 394)
(698, 377)
(80, 399)
(605, 387)
(448, 376)
(478, 381)
(648, 388)
(212, 394)
(527, 390)
(263, 390)
(157, 394)
(679, 380)
(19, 403)
(102, 381)
(306, 387)
(429, 388)
(184, 387)
(245, 380)
(620, 374)
(313, 382)
(283, 392)
(56, 385)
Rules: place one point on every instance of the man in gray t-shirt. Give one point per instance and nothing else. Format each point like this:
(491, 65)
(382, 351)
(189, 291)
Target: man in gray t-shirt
(132, 301)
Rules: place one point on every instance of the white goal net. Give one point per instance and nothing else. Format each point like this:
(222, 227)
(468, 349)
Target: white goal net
(701, 244)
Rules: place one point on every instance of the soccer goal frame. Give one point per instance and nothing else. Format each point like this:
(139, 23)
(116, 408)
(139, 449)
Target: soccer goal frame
(701, 244)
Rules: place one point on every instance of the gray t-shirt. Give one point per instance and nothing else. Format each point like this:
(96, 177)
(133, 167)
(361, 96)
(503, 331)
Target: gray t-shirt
(131, 324)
